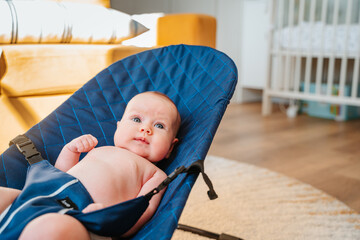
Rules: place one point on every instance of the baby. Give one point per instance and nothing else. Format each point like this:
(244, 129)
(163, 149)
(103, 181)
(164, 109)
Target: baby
(145, 135)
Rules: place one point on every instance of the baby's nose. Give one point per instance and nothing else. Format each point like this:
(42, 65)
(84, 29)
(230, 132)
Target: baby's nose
(146, 129)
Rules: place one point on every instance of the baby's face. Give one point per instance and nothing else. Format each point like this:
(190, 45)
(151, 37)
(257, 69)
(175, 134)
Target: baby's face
(148, 127)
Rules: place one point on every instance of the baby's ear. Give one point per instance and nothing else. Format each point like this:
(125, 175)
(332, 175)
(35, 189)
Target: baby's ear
(175, 141)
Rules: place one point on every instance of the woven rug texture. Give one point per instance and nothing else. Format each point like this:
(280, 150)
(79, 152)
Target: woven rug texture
(255, 203)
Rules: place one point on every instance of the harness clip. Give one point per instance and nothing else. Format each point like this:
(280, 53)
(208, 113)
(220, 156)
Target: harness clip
(27, 148)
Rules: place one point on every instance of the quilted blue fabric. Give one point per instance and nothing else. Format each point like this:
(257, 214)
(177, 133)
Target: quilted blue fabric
(200, 80)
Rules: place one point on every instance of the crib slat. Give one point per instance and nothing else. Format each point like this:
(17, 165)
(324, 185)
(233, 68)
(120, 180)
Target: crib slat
(320, 63)
(288, 68)
(344, 59)
(309, 51)
(331, 69)
(355, 80)
(298, 55)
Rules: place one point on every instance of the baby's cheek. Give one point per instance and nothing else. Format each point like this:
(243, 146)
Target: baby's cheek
(165, 149)
(157, 152)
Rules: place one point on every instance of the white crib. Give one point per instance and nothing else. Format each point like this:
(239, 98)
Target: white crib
(314, 49)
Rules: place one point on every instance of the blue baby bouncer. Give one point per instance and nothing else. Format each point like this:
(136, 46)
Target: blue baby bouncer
(200, 81)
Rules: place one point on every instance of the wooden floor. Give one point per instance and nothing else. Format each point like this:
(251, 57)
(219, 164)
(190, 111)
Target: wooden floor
(323, 153)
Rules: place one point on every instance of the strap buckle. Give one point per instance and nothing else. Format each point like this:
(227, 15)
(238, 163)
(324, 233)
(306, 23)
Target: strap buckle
(27, 148)
(195, 167)
(166, 182)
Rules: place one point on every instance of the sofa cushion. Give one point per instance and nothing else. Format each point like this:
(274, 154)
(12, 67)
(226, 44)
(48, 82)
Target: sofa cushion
(56, 68)
(19, 114)
(187, 28)
(64, 22)
(147, 39)
(104, 3)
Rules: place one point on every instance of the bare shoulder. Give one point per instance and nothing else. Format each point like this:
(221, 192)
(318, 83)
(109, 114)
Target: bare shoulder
(152, 172)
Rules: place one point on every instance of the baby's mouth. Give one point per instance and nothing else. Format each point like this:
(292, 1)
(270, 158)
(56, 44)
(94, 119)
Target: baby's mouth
(142, 140)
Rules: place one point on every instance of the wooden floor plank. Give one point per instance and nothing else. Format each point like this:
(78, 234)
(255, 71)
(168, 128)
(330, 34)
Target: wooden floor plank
(323, 153)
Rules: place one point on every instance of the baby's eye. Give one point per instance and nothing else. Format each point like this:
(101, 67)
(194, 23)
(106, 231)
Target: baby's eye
(159, 125)
(136, 119)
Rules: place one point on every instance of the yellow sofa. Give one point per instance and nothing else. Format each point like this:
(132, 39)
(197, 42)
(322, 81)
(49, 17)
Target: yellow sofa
(36, 78)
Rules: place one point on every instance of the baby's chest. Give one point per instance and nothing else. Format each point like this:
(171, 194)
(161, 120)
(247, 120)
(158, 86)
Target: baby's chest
(117, 174)
(113, 185)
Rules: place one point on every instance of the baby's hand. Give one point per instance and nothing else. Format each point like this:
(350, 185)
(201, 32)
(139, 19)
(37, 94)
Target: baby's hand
(84, 143)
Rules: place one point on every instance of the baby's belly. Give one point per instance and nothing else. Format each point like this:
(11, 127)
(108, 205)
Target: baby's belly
(108, 184)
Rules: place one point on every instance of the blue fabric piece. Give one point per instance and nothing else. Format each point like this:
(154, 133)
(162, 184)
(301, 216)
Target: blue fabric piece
(49, 190)
(200, 80)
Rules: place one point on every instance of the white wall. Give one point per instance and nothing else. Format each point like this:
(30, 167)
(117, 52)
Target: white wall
(141, 6)
(228, 37)
(230, 25)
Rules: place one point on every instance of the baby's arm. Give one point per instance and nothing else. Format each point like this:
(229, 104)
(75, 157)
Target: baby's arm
(158, 177)
(70, 154)
(93, 207)
(8, 195)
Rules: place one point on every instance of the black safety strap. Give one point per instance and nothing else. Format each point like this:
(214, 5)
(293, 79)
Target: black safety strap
(195, 167)
(27, 148)
(208, 234)
(198, 166)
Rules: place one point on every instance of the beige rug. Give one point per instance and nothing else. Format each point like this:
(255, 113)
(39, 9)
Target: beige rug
(255, 203)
